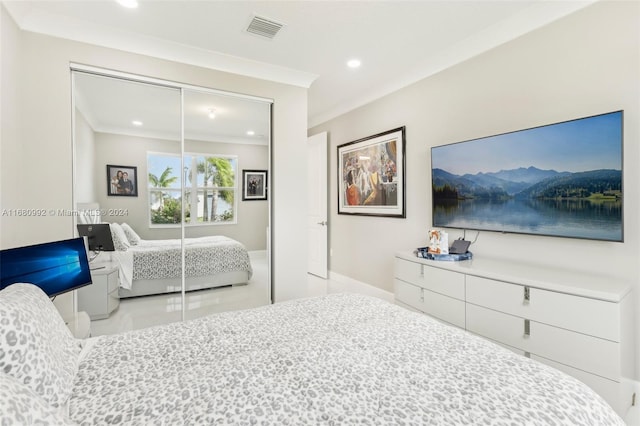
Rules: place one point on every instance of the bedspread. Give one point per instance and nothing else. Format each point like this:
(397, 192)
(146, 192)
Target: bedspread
(158, 259)
(337, 359)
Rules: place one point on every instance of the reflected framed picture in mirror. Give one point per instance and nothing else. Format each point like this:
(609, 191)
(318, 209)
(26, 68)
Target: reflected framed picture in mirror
(122, 181)
(254, 185)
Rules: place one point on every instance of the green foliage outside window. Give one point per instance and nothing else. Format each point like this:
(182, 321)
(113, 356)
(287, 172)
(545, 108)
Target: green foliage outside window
(212, 178)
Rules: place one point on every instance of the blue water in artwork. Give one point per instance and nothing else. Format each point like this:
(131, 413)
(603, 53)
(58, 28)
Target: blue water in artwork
(600, 220)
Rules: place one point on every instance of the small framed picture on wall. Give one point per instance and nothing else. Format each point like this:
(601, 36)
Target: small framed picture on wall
(122, 181)
(254, 185)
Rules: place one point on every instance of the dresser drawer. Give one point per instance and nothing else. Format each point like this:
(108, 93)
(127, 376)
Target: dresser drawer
(407, 307)
(444, 308)
(583, 352)
(589, 316)
(434, 279)
(610, 390)
(437, 305)
(408, 294)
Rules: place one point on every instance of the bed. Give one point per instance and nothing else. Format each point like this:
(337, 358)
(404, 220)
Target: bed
(148, 267)
(332, 360)
(154, 266)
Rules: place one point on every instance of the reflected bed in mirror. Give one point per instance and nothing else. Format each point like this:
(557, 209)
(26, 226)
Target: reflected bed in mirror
(154, 266)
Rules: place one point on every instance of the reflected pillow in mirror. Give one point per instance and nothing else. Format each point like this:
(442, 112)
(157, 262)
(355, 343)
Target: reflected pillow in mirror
(120, 241)
(133, 238)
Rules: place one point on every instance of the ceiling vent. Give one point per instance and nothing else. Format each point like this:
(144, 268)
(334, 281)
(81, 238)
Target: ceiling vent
(264, 27)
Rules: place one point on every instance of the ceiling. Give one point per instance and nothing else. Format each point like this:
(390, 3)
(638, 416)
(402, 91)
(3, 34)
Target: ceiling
(398, 42)
(111, 105)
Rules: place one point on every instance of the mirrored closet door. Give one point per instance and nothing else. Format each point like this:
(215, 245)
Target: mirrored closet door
(226, 163)
(180, 174)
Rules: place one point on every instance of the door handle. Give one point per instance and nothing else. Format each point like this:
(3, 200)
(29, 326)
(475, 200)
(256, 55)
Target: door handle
(527, 329)
(323, 223)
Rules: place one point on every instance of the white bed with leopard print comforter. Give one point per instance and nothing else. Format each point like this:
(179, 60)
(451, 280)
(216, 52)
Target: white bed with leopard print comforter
(338, 359)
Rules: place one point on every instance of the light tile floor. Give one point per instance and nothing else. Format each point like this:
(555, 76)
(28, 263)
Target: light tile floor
(142, 312)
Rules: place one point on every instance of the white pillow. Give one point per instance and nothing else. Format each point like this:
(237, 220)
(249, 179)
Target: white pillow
(133, 238)
(36, 347)
(120, 241)
(19, 405)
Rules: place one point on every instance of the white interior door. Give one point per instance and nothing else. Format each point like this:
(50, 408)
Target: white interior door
(317, 225)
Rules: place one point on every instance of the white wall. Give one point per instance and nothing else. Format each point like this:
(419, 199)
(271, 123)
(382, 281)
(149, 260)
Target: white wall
(584, 64)
(37, 147)
(18, 161)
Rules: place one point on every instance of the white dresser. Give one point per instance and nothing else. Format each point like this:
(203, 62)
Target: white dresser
(579, 323)
(100, 298)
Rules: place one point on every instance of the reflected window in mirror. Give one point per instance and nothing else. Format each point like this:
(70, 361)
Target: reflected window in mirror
(211, 189)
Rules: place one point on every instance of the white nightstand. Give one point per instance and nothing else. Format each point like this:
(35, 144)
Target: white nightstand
(100, 298)
(80, 325)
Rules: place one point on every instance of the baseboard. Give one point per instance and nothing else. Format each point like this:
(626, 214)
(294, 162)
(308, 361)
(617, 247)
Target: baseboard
(342, 283)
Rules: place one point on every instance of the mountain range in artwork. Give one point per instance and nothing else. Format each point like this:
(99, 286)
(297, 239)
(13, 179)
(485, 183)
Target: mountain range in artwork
(527, 183)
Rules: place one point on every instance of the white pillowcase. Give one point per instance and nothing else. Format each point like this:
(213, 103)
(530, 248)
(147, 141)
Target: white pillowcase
(120, 241)
(133, 238)
(36, 347)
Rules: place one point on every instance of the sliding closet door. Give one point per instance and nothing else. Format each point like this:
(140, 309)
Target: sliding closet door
(128, 166)
(182, 175)
(226, 166)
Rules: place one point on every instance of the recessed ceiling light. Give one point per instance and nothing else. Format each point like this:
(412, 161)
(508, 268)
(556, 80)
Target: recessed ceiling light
(136, 123)
(130, 4)
(211, 113)
(354, 63)
(250, 132)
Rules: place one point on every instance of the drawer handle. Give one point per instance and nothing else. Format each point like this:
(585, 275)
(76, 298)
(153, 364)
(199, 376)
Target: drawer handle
(527, 328)
(527, 296)
(422, 295)
(421, 271)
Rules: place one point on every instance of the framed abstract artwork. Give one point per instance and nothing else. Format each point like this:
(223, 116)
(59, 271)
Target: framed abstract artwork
(371, 175)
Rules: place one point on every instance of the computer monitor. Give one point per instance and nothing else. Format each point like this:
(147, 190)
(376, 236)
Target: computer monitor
(55, 267)
(98, 236)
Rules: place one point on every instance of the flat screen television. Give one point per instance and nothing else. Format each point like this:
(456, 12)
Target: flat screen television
(98, 236)
(563, 179)
(55, 267)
